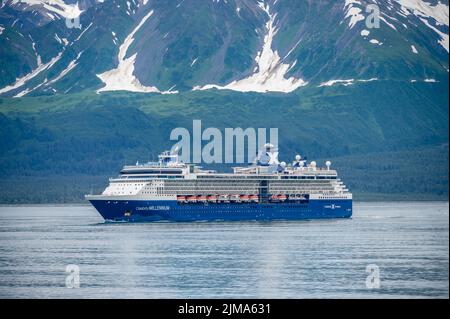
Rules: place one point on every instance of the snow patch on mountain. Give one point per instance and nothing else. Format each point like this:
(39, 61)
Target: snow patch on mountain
(444, 41)
(269, 75)
(388, 23)
(122, 78)
(426, 11)
(333, 82)
(69, 68)
(438, 12)
(291, 50)
(68, 11)
(26, 91)
(353, 12)
(114, 37)
(346, 82)
(375, 41)
(429, 80)
(365, 33)
(38, 57)
(81, 34)
(21, 81)
(58, 39)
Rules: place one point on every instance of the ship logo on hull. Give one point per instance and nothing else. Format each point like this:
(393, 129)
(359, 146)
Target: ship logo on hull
(332, 206)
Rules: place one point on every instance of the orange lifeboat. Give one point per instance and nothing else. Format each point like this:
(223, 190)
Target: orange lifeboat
(245, 198)
(212, 198)
(254, 198)
(192, 199)
(282, 197)
(274, 197)
(201, 198)
(181, 198)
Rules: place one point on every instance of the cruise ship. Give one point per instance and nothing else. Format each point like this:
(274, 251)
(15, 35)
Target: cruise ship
(170, 190)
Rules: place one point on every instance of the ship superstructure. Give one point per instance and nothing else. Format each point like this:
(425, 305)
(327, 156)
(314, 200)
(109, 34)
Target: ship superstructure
(266, 190)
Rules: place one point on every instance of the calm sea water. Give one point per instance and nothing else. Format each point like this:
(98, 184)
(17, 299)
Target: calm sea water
(409, 242)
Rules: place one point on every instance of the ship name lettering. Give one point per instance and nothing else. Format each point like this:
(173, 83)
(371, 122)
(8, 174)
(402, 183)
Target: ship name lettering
(153, 208)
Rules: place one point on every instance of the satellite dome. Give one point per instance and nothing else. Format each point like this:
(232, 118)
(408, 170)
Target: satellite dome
(298, 157)
(328, 163)
(283, 164)
(313, 164)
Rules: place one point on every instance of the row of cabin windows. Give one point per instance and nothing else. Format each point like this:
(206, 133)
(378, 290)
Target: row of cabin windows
(233, 210)
(332, 197)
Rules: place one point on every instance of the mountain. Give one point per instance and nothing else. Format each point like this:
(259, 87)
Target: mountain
(88, 86)
(241, 45)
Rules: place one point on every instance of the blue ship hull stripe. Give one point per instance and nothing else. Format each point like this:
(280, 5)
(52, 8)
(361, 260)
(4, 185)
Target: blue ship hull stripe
(169, 210)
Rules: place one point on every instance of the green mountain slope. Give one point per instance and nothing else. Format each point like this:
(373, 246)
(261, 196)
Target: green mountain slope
(384, 137)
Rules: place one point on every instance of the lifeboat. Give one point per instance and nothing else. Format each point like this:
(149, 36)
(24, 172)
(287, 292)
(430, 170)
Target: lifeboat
(181, 198)
(201, 198)
(223, 198)
(274, 197)
(212, 198)
(192, 199)
(244, 198)
(254, 198)
(235, 198)
(282, 197)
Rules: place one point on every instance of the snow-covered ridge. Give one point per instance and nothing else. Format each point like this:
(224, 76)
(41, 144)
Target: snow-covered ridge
(438, 12)
(69, 11)
(444, 40)
(425, 12)
(269, 75)
(434, 16)
(122, 78)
